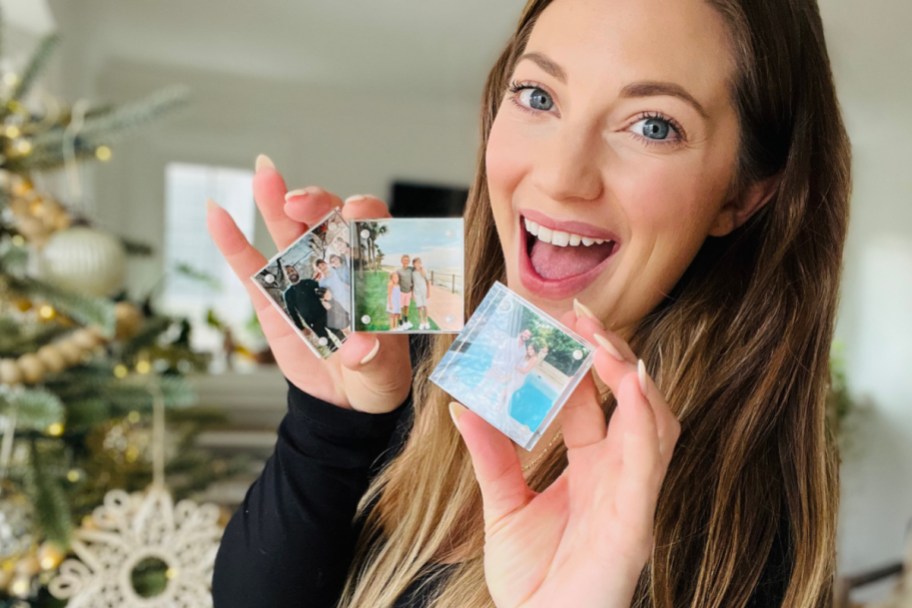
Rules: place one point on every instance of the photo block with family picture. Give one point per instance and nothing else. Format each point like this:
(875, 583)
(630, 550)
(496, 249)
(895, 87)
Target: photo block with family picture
(408, 275)
(513, 365)
(310, 283)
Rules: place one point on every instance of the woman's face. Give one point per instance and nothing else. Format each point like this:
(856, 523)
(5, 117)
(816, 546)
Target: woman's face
(611, 158)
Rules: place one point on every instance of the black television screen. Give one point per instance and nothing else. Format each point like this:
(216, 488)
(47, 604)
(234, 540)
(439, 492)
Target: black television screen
(411, 199)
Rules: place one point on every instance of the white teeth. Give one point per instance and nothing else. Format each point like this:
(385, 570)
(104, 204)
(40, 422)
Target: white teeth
(559, 238)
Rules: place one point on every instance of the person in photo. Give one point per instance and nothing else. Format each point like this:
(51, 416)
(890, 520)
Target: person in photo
(393, 300)
(338, 319)
(523, 405)
(406, 287)
(336, 278)
(421, 288)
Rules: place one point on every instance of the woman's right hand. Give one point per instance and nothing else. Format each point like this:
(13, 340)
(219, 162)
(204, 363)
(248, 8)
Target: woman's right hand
(370, 372)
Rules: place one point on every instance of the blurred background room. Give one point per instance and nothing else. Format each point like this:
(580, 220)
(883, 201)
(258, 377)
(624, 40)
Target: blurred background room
(135, 388)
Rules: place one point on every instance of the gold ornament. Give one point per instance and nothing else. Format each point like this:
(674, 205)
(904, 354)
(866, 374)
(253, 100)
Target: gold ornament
(23, 304)
(28, 565)
(50, 555)
(128, 320)
(31, 367)
(47, 312)
(10, 372)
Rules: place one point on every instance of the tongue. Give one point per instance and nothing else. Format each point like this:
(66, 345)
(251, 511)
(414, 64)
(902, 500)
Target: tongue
(555, 263)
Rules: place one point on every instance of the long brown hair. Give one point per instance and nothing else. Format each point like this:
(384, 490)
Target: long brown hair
(740, 349)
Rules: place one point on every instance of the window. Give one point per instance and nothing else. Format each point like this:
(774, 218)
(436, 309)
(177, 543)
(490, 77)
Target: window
(188, 246)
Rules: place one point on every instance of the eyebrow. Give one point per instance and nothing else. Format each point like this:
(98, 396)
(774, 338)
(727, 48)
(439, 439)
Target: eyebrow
(651, 88)
(645, 88)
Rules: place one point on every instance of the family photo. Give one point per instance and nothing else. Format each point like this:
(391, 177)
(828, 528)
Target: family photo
(409, 275)
(310, 283)
(513, 366)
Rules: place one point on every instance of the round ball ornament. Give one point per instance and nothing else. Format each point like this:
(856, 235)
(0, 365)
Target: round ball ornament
(85, 260)
(16, 522)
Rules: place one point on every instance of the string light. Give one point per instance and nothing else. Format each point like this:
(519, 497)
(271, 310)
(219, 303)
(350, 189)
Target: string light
(55, 430)
(121, 371)
(143, 367)
(103, 153)
(47, 312)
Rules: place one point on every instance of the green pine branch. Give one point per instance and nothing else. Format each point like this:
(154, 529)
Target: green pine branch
(103, 129)
(33, 409)
(33, 69)
(98, 312)
(52, 510)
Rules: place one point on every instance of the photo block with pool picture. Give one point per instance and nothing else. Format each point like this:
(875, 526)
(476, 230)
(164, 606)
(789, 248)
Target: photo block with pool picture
(408, 275)
(310, 283)
(513, 365)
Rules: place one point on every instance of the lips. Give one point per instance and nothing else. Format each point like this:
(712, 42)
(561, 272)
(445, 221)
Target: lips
(558, 259)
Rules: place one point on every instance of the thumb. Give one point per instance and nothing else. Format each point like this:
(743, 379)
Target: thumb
(497, 468)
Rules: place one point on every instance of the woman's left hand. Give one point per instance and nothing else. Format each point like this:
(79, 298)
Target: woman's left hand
(585, 539)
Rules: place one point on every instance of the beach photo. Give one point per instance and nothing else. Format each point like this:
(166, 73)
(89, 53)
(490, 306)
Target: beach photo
(310, 283)
(408, 275)
(513, 365)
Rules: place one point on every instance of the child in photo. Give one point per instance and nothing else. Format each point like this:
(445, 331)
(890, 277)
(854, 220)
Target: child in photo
(421, 292)
(393, 299)
(406, 286)
(337, 278)
(337, 318)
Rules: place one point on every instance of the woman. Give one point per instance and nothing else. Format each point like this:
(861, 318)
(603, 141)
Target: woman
(338, 320)
(692, 155)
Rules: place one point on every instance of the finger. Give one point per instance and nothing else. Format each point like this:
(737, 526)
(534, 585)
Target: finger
(582, 420)
(241, 256)
(364, 207)
(269, 195)
(496, 464)
(310, 205)
(669, 428)
(643, 467)
(376, 370)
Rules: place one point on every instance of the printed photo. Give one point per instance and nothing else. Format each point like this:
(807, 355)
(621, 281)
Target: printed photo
(513, 365)
(408, 275)
(310, 283)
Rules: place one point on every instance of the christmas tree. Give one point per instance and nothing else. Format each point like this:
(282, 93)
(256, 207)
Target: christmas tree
(80, 364)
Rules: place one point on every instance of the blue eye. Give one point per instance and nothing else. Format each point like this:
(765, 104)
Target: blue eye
(654, 128)
(532, 97)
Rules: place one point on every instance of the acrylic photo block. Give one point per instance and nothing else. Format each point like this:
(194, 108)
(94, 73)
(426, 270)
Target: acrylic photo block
(310, 284)
(408, 275)
(514, 366)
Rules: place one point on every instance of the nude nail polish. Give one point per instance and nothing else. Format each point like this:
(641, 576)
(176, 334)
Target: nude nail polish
(264, 162)
(610, 348)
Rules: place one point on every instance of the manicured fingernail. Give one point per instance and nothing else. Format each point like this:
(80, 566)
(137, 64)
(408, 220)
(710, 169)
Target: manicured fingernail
(264, 162)
(211, 205)
(610, 348)
(355, 198)
(302, 192)
(582, 310)
(373, 353)
(454, 413)
(641, 374)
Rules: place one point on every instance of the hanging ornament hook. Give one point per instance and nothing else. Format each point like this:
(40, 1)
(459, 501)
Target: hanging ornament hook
(77, 121)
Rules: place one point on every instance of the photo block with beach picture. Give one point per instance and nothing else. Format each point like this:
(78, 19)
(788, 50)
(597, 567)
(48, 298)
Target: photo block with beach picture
(408, 275)
(310, 283)
(513, 365)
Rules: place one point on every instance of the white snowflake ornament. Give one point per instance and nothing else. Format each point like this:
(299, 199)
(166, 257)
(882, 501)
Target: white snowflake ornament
(130, 531)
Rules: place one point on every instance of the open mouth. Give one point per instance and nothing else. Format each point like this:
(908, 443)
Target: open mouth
(562, 256)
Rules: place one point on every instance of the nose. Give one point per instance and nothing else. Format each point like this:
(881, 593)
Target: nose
(568, 165)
